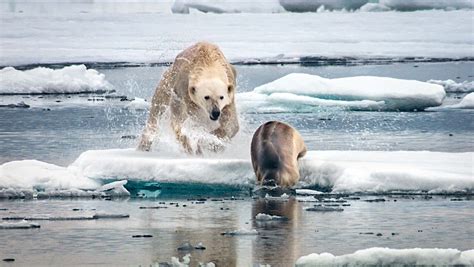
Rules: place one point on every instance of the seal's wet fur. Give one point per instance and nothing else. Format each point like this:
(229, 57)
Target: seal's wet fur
(275, 150)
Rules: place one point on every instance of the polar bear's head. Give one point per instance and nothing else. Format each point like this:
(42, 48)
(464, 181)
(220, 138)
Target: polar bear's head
(212, 95)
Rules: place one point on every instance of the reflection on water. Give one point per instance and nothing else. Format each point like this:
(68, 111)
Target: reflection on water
(415, 222)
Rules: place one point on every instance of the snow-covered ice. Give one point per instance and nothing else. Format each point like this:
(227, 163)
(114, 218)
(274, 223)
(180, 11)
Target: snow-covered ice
(138, 104)
(453, 87)
(223, 6)
(412, 5)
(317, 5)
(387, 257)
(299, 92)
(262, 217)
(341, 171)
(70, 79)
(143, 37)
(466, 103)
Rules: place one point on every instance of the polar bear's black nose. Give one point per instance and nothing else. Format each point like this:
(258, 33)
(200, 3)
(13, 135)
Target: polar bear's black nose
(215, 114)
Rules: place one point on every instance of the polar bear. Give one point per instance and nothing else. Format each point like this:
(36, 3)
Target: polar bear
(198, 89)
(275, 150)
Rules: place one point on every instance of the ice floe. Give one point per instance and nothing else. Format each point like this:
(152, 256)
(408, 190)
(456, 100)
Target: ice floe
(138, 104)
(222, 6)
(387, 257)
(241, 231)
(453, 87)
(317, 5)
(19, 225)
(68, 80)
(88, 37)
(412, 5)
(337, 171)
(299, 92)
(466, 103)
(263, 217)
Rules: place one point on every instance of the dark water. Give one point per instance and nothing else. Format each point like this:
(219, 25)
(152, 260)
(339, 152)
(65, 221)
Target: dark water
(435, 223)
(76, 124)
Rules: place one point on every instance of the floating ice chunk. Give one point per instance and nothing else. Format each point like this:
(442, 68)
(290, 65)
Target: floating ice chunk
(374, 7)
(386, 257)
(412, 5)
(29, 174)
(241, 231)
(22, 104)
(283, 197)
(110, 216)
(71, 79)
(19, 225)
(466, 103)
(223, 6)
(314, 5)
(263, 217)
(324, 209)
(186, 260)
(451, 86)
(308, 192)
(385, 171)
(115, 189)
(138, 104)
(379, 93)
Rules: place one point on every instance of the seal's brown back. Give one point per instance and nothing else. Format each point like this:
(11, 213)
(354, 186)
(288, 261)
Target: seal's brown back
(272, 151)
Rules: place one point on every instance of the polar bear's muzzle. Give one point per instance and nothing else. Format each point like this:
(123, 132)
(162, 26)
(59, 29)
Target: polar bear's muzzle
(215, 114)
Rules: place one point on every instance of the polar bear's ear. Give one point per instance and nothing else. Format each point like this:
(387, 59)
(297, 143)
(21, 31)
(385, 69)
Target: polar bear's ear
(192, 90)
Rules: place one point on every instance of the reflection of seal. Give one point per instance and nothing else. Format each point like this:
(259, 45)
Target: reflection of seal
(275, 150)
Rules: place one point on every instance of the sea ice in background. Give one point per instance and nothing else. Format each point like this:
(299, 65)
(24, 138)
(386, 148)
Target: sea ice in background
(223, 6)
(297, 91)
(451, 86)
(68, 80)
(314, 5)
(114, 38)
(411, 5)
(374, 7)
(387, 257)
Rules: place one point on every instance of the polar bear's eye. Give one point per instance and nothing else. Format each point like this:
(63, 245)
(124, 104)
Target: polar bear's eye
(222, 97)
(206, 97)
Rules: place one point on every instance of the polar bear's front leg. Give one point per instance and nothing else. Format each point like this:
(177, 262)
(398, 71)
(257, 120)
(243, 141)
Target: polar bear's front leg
(183, 139)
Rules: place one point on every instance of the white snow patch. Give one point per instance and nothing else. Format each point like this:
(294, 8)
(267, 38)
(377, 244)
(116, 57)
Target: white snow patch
(386, 257)
(144, 38)
(71, 79)
(29, 174)
(453, 87)
(299, 92)
(412, 5)
(138, 104)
